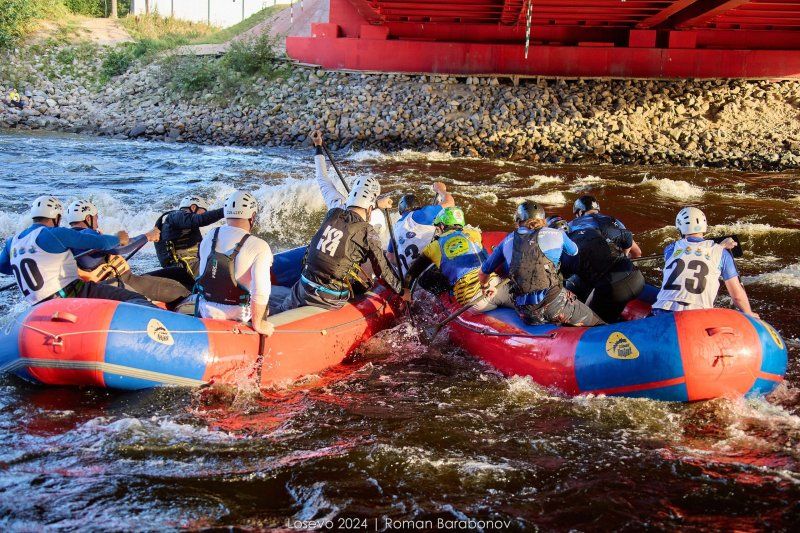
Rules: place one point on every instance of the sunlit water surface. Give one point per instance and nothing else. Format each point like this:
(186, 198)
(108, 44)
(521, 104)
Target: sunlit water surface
(402, 431)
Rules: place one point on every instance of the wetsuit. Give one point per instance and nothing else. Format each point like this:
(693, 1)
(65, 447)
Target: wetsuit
(342, 244)
(531, 259)
(111, 267)
(603, 267)
(42, 260)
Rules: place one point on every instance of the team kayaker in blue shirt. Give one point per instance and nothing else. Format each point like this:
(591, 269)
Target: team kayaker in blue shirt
(530, 258)
(693, 267)
(42, 258)
(415, 228)
(112, 267)
(605, 269)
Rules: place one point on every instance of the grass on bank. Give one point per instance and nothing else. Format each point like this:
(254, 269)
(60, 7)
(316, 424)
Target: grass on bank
(244, 61)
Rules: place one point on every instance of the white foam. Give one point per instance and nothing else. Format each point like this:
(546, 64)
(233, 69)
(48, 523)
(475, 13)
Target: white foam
(365, 155)
(551, 198)
(585, 182)
(488, 197)
(677, 189)
(541, 179)
(786, 277)
(750, 228)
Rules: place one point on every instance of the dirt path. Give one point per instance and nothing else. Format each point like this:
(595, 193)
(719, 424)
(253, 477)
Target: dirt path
(104, 32)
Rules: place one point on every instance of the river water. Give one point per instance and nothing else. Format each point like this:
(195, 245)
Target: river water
(402, 432)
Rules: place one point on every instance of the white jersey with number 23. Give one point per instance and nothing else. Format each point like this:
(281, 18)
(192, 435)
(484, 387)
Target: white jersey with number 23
(691, 276)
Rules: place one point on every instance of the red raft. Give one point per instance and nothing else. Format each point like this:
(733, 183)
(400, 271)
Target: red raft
(116, 345)
(684, 356)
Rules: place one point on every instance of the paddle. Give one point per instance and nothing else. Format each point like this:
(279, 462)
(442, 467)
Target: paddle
(386, 216)
(735, 252)
(430, 333)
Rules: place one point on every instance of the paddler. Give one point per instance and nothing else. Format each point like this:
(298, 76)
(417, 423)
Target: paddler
(604, 263)
(415, 228)
(180, 238)
(234, 281)
(530, 258)
(458, 253)
(111, 267)
(42, 258)
(346, 240)
(693, 267)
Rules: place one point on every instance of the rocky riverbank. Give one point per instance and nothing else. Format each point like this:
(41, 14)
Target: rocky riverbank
(738, 124)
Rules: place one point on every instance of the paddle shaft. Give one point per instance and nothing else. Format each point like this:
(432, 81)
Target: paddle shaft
(335, 167)
(460, 311)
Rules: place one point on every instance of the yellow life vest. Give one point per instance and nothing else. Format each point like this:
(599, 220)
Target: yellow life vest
(13, 96)
(114, 266)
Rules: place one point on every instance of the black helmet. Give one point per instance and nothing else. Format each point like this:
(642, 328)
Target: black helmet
(408, 202)
(556, 222)
(585, 203)
(528, 210)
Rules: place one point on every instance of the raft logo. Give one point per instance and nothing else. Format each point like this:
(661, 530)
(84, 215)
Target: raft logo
(618, 346)
(773, 334)
(455, 247)
(159, 332)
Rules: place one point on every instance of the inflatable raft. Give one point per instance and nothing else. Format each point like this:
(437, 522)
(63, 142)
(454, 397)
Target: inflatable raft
(103, 343)
(684, 356)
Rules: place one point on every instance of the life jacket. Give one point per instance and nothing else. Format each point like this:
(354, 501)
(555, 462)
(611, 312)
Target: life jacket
(40, 274)
(461, 259)
(691, 276)
(218, 282)
(602, 246)
(412, 238)
(13, 96)
(335, 254)
(113, 267)
(181, 250)
(530, 269)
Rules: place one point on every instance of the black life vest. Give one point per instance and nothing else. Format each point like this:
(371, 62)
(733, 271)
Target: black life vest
(336, 251)
(218, 282)
(175, 246)
(602, 249)
(530, 269)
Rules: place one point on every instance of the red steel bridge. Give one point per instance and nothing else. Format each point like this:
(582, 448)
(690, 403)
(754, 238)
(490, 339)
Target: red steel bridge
(570, 38)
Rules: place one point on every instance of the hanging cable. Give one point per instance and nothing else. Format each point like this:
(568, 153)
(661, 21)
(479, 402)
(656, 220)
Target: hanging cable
(528, 27)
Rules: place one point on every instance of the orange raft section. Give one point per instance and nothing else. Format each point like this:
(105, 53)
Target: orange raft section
(116, 345)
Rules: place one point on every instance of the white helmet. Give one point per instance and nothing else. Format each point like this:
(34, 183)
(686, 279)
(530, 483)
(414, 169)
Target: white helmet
(240, 204)
(364, 193)
(691, 220)
(46, 207)
(79, 210)
(188, 201)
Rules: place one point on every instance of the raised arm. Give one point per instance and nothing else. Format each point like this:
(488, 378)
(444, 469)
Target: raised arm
(331, 195)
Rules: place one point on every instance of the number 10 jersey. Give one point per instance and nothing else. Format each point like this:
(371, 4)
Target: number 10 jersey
(40, 274)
